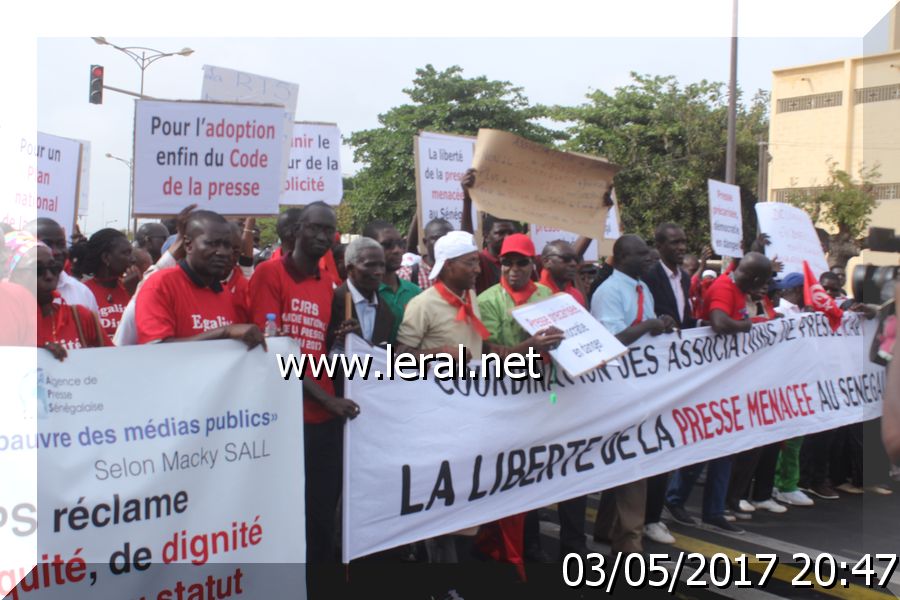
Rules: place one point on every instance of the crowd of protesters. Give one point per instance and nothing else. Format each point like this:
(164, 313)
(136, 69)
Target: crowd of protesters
(201, 276)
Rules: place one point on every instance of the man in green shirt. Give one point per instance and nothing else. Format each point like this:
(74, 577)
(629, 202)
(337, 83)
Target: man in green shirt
(394, 291)
(495, 305)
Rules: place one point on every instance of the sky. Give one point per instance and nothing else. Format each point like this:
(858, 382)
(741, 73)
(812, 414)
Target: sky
(350, 70)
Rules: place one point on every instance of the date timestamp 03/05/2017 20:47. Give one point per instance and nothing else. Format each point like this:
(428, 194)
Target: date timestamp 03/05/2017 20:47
(721, 571)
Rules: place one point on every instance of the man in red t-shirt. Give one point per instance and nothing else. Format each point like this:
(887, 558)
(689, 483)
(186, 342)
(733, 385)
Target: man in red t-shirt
(725, 302)
(300, 296)
(188, 303)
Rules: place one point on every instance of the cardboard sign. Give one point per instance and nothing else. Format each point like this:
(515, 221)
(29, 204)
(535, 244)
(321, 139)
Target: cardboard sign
(522, 180)
(227, 85)
(725, 221)
(223, 157)
(441, 162)
(314, 168)
(588, 344)
(793, 237)
(541, 235)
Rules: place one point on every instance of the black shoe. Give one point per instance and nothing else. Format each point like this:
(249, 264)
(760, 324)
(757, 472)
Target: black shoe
(680, 515)
(535, 554)
(722, 524)
(579, 549)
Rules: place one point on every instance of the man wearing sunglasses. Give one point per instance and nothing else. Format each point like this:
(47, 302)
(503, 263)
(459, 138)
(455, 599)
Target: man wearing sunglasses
(70, 289)
(561, 262)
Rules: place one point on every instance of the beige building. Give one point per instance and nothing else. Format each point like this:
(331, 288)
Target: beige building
(845, 110)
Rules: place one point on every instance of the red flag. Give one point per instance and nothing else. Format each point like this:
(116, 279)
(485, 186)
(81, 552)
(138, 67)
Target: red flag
(815, 295)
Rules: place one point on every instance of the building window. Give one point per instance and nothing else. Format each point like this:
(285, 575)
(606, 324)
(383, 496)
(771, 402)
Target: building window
(882, 191)
(826, 100)
(878, 93)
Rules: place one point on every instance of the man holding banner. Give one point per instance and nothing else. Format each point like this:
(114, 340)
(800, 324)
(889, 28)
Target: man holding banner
(624, 305)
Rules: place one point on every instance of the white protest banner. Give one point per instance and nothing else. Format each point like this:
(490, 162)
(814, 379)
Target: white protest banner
(314, 170)
(725, 221)
(441, 162)
(430, 457)
(588, 344)
(58, 169)
(84, 178)
(146, 488)
(227, 85)
(223, 157)
(793, 237)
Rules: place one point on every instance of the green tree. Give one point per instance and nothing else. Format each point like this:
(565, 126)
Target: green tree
(842, 203)
(669, 140)
(442, 101)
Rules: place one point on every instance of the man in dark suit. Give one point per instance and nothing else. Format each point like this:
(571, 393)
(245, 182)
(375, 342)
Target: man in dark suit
(670, 287)
(370, 318)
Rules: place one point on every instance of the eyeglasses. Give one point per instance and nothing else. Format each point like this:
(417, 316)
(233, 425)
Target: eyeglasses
(565, 257)
(519, 262)
(42, 269)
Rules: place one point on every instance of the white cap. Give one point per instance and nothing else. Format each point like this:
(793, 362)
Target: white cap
(709, 273)
(452, 245)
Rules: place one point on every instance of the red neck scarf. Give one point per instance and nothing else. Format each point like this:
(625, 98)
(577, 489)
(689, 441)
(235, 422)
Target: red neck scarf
(522, 296)
(466, 313)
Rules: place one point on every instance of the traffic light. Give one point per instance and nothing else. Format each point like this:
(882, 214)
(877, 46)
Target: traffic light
(96, 95)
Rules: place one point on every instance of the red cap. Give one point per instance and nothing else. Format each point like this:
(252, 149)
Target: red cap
(517, 243)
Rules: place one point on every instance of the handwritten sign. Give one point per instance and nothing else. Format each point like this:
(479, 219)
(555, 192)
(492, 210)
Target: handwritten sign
(542, 235)
(227, 85)
(441, 162)
(223, 157)
(519, 179)
(587, 345)
(793, 237)
(314, 170)
(725, 218)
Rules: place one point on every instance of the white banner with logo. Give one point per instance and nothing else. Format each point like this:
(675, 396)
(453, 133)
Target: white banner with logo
(428, 457)
(162, 468)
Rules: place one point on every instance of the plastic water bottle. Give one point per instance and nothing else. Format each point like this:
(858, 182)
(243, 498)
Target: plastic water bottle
(271, 329)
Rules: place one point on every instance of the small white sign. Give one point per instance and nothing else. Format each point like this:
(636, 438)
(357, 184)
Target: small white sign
(726, 228)
(223, 157)
(793, 237)
(314, 170)
(587, 345)
(441, 162)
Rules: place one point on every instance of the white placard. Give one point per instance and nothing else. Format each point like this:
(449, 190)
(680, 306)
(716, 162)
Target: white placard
(441, 162)
(205, 478)
(227, 85)
(725, 221)
(223, 157)
(429, 457)
(793, 237)
(314, 170)
(84, 180)
(588, 344)
(58, 169)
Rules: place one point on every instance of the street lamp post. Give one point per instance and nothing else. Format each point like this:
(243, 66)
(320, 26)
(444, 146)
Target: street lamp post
(143, 57)
(130, 166)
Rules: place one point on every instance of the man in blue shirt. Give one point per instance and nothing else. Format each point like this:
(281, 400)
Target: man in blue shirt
(624, 305)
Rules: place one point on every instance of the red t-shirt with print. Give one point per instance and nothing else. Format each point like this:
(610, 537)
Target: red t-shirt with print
(302, 308)
(239, 287)
(60, 326)
(111, 302)
(173, 305)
